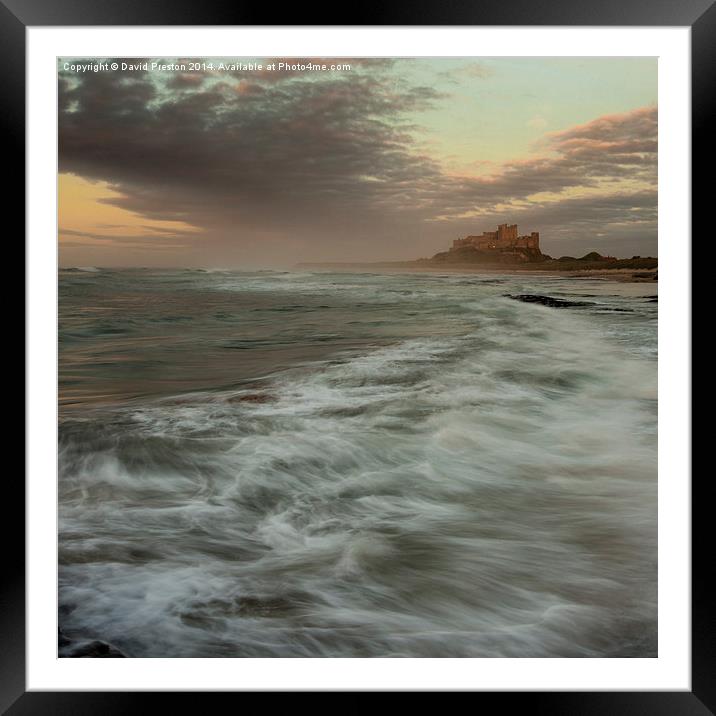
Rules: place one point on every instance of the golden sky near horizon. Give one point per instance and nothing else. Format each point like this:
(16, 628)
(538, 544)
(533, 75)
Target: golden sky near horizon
(82, 207)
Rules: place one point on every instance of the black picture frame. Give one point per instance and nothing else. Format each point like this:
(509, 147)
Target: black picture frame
(699, 15)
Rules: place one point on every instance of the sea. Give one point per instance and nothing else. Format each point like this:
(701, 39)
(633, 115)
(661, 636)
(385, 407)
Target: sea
(335, 464)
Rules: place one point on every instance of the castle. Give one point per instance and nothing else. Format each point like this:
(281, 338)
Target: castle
(504, 239)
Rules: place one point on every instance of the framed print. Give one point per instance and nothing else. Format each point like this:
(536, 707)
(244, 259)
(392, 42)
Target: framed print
(359, 355)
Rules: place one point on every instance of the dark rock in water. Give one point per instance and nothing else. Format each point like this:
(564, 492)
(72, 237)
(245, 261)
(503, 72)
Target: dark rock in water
(253, 398)
(82, 649)
(547, 300)
(256, 398)
(62, 640)
(96, 649)
(272, 606)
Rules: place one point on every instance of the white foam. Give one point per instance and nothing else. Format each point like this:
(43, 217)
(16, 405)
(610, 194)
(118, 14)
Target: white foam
(489, 493)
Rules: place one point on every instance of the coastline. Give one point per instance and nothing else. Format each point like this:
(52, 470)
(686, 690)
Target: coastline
(628, 275)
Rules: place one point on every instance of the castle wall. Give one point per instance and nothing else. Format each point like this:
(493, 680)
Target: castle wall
(528, 242)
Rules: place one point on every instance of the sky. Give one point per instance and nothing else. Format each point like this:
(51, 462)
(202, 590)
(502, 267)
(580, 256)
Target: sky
(267, 162)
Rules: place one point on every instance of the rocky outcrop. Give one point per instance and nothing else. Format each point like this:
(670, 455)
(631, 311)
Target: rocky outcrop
(86, 648)
(592, 256)
(547, 300)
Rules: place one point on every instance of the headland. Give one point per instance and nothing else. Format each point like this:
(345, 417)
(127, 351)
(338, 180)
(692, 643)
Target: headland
(505, 251)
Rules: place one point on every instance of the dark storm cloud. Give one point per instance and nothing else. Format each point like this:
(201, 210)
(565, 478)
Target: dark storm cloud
(314, 165)
(235, 149)
(185, 80)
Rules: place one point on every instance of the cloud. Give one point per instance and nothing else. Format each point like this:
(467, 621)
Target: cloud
(321, 165)
(186, 80)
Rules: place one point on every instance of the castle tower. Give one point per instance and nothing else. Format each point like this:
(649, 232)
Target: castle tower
(507, 233)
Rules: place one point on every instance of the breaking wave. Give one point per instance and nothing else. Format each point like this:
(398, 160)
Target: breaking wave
(475, 480)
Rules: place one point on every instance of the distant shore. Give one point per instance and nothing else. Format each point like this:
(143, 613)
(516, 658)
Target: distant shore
(631, 275)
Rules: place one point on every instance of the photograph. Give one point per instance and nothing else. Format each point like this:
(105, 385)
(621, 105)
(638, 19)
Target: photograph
(357, 357)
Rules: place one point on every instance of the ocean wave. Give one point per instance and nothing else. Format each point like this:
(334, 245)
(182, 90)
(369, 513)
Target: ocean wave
(486, 492)
(81, 269)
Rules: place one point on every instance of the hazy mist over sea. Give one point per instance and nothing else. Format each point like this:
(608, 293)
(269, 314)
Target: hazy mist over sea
(284, 464)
